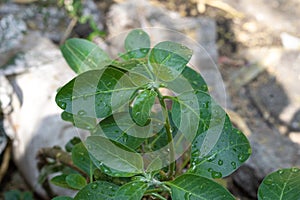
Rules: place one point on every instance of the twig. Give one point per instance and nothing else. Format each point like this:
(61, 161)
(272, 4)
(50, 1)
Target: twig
(220, 5)
(5, 161)
(60, 156)
(69, 30)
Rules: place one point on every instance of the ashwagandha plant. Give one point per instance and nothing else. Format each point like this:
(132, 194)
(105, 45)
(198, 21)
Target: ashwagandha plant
(151, 129)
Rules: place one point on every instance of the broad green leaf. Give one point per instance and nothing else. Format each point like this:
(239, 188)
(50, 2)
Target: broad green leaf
(81, 158)
(98, 190)
(142, 106)
(109, 128)
(131, 191)
(82, 55)
(283, 184)
(62, 198)
(96, 93)
(60, 181)
(168, 59)
(109, 171)
(194, 78)
(137, 44)
(155, 164)
(230, 151)
(194, 187)
(76, 181)
(86, 123)
(138, 70)
(114, 155)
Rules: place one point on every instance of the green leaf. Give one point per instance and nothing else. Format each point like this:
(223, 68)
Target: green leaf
(62, 198)
(81, 158)
(70, 145)
(96, 93)
(283, 184)
(131, 191)
(230, 151)
(109, 128)
(76, 181)
(86, 123)
(189, 186)
(82, 55)
(108, 170)
(97, 190)
(137, 44)
(195, 80)
(168, 59)
(114, 155)
(60, 181)
(142, 106)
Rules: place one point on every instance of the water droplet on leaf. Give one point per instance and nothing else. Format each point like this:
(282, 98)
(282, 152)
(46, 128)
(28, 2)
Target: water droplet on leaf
(187, 196)
(81, 113)
(215, 174)
(280, 171)
(94, 186)
(220, 162)
(63, 105)
(211, 158)
(295, 170)
(242, 157)
(233, 164)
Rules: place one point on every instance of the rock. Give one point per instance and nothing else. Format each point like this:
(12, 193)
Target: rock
(270, 103)
(11, 33)
(281, 100)
(197, 33)
(50, 20)
(290, 42)
(36, 118)
(284, 13)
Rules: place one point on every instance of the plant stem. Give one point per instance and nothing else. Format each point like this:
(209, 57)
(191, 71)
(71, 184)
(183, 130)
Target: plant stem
(61, 157)
(158, 196)
(169, 134)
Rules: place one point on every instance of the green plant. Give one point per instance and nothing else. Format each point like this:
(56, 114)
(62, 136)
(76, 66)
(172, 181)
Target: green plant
(153, 130)
(17, 195)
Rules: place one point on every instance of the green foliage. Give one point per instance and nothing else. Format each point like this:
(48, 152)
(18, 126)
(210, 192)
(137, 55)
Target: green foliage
(142, 132)
(189, 186)
(283, 184)
(18, 195)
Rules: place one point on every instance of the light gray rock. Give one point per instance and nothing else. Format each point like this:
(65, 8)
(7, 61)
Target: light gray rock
(36, 117)
(272, 115)
(50, 20)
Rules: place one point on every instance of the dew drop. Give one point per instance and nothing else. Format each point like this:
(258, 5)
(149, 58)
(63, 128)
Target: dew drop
(125, 137)
(231, 142)
(268, 181)
(211, 158)
(220, 162)
(81, 113)
(94, 186)
(233, 164)
(63, 105)
(280, 171)
(295, 170)
(195, 153)
(187, 196)
(242, 157)
(210, 170)
(215, 174)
